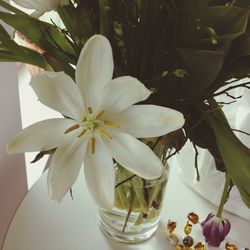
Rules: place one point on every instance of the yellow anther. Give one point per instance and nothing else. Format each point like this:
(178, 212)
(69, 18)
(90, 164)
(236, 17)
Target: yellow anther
(93, 145)
(111, 124)
(104, 133)
(100, 114)
(90, 110)
(76, 126)
(82, 133)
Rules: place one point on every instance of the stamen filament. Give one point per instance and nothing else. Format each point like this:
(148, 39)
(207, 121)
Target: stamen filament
(82, 133)
(76, 126)
(93, 141)
(90, 110)
(104, 133)
(111, 124)
(100, 114)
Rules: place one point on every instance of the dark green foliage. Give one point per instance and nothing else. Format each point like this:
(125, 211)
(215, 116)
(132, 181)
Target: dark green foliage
(207, 40)
(183, 50)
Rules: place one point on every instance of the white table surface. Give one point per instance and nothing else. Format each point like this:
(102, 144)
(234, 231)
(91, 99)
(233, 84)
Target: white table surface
(41, 224)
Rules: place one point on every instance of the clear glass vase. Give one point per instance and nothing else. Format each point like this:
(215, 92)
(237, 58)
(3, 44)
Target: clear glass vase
(138, 202)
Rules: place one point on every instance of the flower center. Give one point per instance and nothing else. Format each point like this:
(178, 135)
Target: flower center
(93, 124)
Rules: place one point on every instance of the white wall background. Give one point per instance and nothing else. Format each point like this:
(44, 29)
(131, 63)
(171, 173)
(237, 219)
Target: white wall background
(13, 183)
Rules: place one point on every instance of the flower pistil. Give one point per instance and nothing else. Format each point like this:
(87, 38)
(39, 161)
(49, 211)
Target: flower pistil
(92, 123)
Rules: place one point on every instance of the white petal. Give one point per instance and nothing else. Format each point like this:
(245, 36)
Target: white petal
(134, 155)
(41, 136)
(65, 166)
(142, 121)
(58, 91)
(100, 175)
(94, 69)
(122, 92)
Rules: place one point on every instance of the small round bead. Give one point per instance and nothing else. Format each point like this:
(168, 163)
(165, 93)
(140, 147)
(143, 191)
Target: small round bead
(173, 239)
(187, 228)
(171, 226)
(200, 246)
(188, 241)
(179, 247)
(231, 246)
(194, 218)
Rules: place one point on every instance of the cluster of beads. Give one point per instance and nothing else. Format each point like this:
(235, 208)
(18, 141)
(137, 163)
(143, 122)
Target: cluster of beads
(187, 241)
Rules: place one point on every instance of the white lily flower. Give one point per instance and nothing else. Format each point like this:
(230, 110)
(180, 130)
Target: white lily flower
(102, 123)
(40, 6)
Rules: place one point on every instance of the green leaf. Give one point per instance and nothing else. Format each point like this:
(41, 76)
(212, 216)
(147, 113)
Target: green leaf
(241, 46)
(153, 193)
(10, 51)
(36, 59)
(66, 14)
(44, 35)
(213, 26)
(236, 156)
(122, 191)
(241, 3)
(139, 189)
(202, 66)
(6, 41)
(228, 22)
(237, 62)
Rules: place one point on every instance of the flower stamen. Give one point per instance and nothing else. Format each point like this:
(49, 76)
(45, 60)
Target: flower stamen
(100, 114)
(111, 124)
(76, 126)
(82, 133)
(105, 134)
(90, 110)
(93, 142)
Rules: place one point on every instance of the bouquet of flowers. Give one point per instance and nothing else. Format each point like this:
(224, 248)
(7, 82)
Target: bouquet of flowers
(183, 51)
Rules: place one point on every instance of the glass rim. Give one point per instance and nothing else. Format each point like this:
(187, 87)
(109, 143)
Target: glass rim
(149, 183)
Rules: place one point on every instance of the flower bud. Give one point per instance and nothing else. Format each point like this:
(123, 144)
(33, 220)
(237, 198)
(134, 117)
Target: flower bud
(215, 229)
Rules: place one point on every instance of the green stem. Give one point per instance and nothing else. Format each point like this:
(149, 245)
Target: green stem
(121, 182)
(104, 9)
(129, 212)
(156, 142)
(66, 18)
(224, 196)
